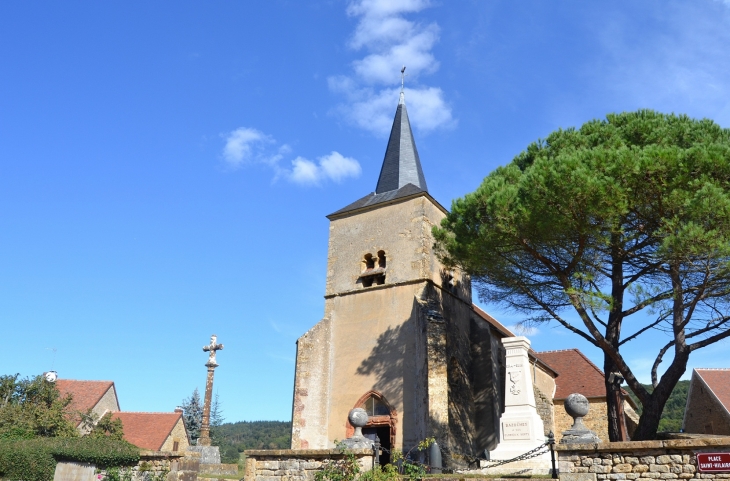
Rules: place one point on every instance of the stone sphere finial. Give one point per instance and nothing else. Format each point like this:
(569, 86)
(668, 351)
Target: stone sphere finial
(577, 406)
(358, 418)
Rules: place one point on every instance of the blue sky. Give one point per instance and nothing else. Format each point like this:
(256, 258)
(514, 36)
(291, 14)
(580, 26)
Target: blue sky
(166, 167)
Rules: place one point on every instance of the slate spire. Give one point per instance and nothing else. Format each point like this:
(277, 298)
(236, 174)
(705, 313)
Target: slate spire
(401, 165)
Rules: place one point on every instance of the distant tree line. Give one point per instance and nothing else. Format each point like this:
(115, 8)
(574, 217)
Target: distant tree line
(673, 414)
(233, 438)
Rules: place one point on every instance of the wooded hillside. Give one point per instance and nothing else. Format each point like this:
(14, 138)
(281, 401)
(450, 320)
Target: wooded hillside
(674, 409)
(233, 438)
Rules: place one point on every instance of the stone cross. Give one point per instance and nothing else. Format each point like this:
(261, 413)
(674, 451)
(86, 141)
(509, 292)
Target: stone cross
(204, 439)
(213, 347)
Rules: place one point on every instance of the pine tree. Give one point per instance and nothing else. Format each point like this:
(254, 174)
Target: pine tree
(216, 419)
(193, 415)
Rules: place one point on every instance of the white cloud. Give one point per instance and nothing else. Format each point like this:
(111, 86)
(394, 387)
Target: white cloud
(334, 166)
(243, 145)
(304, 171)
(391, 41)
(383, 8)
(247, 145)
(374, 111)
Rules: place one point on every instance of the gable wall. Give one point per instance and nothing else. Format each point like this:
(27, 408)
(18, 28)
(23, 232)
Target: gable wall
(178, 434)
(702, 409)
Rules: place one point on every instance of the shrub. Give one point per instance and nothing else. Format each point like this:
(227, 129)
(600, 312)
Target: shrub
(35, 459)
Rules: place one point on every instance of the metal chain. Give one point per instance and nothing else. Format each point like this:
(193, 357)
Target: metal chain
(533, 453)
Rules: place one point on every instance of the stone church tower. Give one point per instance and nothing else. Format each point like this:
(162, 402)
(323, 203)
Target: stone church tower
(400, 336)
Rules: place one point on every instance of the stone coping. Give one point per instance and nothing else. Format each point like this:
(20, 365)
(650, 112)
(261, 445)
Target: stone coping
(301, 453)
(641, 445)
(145, 453)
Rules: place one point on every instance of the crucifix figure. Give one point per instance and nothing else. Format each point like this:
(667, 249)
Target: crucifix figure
(204, 439)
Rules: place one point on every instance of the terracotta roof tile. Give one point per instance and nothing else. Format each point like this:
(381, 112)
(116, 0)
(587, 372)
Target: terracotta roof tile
(86, 394)
(576, 373)
(147, 430)
(719, 381)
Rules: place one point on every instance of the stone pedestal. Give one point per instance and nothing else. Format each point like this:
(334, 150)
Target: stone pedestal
(577, 406)
(208, 454)
(520, 427)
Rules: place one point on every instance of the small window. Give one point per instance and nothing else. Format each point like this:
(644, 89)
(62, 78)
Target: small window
(381, 259)
(371, 273)
(375, 407)
(175, 446)
(369, 261)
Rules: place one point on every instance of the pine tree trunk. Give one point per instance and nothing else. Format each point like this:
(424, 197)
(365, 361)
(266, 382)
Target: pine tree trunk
(614, 426)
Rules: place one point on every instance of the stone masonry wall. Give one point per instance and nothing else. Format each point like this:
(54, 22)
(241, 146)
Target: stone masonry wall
(705, 414)
(596, 420)
(544, 409)
(296, 465)
(670, 459)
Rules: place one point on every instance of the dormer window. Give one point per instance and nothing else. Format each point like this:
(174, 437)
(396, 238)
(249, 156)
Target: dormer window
(373, 272)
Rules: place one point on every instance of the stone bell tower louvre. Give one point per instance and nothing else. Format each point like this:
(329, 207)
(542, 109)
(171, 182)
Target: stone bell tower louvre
(400, 336)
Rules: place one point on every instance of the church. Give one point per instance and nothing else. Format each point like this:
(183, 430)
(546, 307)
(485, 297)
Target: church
(400, 336)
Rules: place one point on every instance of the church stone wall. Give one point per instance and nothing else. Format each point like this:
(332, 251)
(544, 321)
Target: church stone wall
(374, 344)
(311, 387)
(545, 410)
(402, 230)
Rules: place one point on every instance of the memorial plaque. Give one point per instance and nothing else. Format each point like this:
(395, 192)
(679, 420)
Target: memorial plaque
(516, 429)
(713, 462)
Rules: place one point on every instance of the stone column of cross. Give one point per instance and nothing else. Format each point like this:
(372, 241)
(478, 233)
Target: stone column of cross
(204, 439)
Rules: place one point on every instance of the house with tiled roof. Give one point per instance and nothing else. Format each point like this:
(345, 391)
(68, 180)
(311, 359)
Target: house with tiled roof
(577, 374)
(708, 402)
(155, 431)
(99, 396)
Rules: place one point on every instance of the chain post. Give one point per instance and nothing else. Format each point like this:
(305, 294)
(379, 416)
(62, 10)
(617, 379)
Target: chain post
(551, 442)
(376, 450)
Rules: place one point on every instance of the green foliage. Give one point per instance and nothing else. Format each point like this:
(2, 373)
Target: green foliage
(33, 407)
(345, 469)
(35, 459)
(348, 469)
(625, 223)
(107, 427)
(118, 474)
(673, 413)
(233, 438)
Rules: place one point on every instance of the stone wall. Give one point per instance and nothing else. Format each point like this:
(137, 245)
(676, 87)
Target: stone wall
(705, 414)
(669, 459)
(545, 410)
(176, 466)
(296, 465)
(177, 435)
(596, 420)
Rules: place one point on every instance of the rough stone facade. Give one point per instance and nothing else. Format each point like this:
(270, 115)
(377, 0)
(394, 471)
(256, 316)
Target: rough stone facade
(596, 420)
(545, 410)
(705, 414)
(296, 465)
(670, 459)
(177, 435)
(176, 467)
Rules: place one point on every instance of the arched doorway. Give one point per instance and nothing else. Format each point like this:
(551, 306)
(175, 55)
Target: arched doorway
(381, 422)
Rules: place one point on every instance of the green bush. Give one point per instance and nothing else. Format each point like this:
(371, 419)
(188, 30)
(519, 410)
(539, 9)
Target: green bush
(35, 459)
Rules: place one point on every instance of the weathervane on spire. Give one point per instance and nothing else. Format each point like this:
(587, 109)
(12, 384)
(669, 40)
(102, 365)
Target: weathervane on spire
(402, 77)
